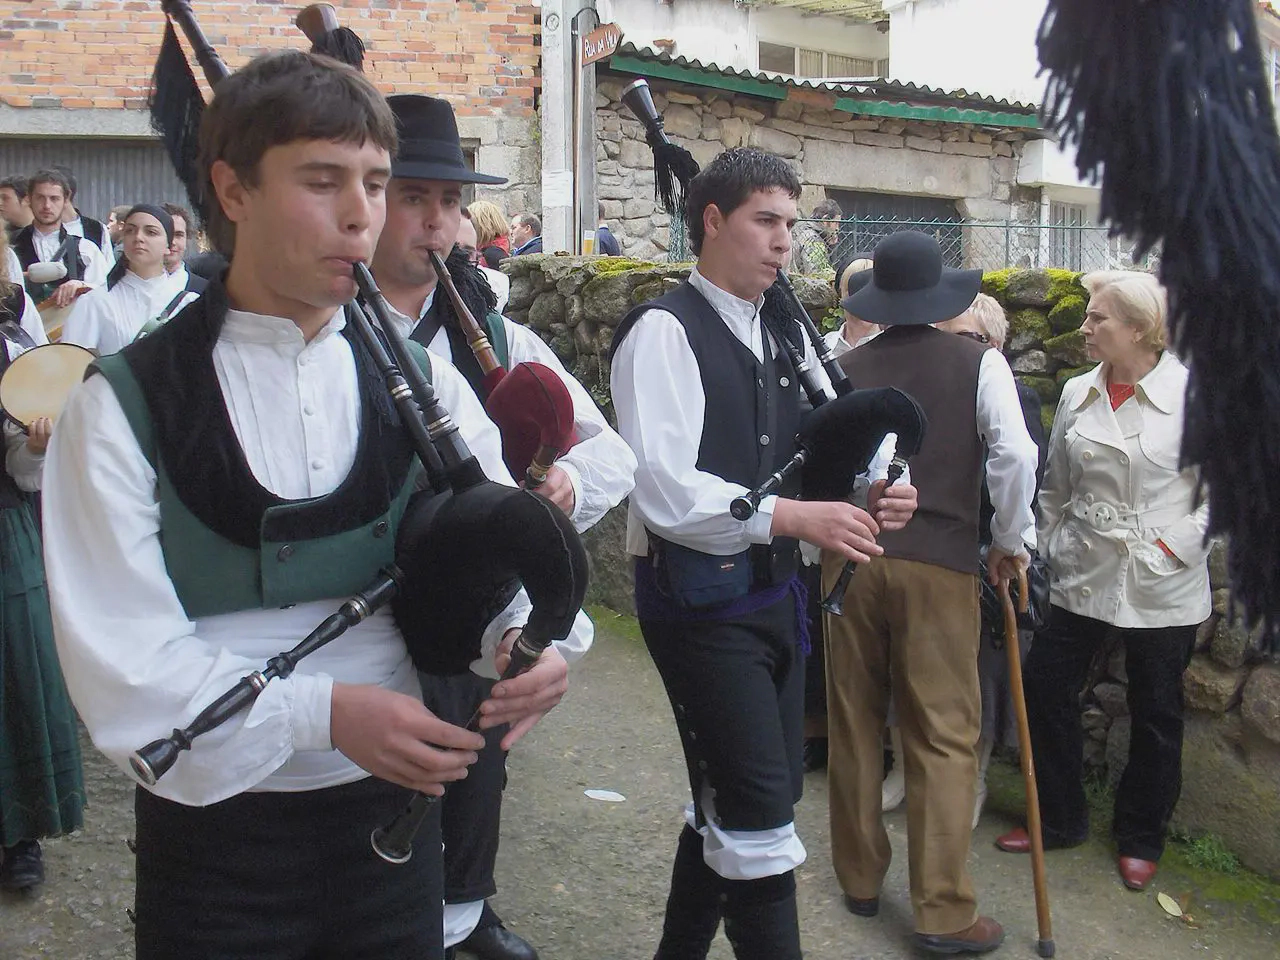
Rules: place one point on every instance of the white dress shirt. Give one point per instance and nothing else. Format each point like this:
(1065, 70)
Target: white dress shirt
(500, 284)
(109, 320)
(658, 396)
(1012, 456)
(135, 664)
(96, 266)
(20, 462)
(76, 226)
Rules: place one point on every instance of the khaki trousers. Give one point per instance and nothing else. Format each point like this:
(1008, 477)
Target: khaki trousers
(911, 628)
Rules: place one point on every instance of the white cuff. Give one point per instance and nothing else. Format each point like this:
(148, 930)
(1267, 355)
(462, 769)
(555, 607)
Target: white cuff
(760, 525)
(575, 481)
(312, 711)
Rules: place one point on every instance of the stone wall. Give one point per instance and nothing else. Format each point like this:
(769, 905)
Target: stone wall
(1231, 780)
(829, 148)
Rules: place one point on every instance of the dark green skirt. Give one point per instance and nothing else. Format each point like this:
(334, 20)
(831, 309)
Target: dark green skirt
(41, 783)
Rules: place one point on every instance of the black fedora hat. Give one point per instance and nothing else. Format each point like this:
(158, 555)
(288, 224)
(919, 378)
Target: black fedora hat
(430, 148)
(909, 284)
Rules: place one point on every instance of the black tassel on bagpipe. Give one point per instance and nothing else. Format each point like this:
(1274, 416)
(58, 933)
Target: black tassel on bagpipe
(673, 165)
(1171, 103)
(176, 106)
(472, 286)
(341, 44)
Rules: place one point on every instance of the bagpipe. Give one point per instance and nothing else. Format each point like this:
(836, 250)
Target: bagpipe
(841, 435)
(465, 544)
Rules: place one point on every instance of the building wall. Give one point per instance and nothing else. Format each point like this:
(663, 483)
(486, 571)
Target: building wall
(832, 150)
(728, 33)
(83, 68)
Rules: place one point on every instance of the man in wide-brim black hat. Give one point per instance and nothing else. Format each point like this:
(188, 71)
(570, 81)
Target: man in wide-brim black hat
(424, 213)
(911, 619)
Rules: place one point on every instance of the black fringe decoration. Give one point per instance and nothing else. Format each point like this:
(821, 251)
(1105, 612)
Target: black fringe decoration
(1170, 103)
(342, 44)
(473, 288)
(176, 106)
(673, 168)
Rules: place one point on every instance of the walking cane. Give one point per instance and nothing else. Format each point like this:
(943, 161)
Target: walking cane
(1045, 945)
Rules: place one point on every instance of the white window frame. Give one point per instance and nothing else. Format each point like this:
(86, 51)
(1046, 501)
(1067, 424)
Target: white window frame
(875, 64)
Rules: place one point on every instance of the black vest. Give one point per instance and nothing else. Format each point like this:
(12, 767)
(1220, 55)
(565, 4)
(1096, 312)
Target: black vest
(752, 411)
(479, 299)
(24, 246)
(94, 230)
(205, 462)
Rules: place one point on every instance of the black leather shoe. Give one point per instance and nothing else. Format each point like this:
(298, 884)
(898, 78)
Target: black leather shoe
(23, 866)
(862, 908)
(813, 755)
(498, 943)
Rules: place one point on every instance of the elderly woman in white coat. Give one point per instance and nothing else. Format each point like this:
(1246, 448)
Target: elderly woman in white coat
(1125, 541)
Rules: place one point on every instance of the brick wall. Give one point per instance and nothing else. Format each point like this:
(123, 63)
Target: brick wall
(480, 54)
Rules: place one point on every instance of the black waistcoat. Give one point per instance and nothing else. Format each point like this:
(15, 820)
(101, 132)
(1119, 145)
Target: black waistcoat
(24, 245)
(752, 408)
(205, 462)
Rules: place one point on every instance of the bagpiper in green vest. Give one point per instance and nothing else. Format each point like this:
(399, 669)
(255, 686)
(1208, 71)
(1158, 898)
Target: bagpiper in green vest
(229, 544)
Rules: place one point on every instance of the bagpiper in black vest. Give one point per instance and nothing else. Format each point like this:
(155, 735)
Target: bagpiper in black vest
(68, 253)
(750, 431)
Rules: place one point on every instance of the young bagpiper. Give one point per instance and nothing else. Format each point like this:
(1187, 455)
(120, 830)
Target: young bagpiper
(424, 213)
(710, 404)
(198, 490)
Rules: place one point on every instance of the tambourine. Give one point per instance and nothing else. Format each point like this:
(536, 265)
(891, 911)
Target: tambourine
(38, 382)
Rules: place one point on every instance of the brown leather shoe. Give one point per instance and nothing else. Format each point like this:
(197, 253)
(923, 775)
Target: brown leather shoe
(1135, 873)
(1019, 841)
(982, 936)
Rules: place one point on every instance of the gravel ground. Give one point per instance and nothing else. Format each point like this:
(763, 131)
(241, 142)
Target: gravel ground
(586, 880)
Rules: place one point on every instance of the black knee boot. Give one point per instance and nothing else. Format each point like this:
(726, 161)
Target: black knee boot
(693, 906)
(760, 918)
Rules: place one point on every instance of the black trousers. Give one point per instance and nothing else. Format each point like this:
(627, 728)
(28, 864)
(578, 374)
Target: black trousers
(1056, 669)
(815, 666)
(284, 876)
(471, 811)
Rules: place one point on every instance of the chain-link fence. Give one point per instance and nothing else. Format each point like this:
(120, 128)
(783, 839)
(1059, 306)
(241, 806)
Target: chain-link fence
(818, 246)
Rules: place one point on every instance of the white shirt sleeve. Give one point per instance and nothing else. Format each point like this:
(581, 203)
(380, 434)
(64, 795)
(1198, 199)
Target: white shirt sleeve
(84, 324)
(96, 265)
(127, 649)
(12, 265)
(600, 465)
(1012, 455)
(658, 397)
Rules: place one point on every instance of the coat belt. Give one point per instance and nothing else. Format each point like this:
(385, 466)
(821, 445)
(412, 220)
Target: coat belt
(1104, 516)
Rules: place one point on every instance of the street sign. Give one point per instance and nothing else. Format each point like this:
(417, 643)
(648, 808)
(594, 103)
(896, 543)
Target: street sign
(601, 42)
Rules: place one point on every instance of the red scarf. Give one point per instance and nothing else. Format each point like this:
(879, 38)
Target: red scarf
(1119, 393)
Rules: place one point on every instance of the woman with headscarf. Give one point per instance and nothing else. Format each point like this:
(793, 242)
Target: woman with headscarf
(139, 292)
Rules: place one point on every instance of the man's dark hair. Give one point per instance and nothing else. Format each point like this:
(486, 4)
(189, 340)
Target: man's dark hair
(466, 213)
(72, 186)
(49, 176)
(531, 221)
(17, 183)
(729, 179)
(827, 210)
(279, 98)
(175, 211)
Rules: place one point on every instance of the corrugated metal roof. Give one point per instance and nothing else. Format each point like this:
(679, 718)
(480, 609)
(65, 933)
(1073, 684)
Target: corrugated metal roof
(866, 11)
(871, 88)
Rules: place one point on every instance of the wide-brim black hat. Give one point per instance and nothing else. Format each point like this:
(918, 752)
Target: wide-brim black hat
(430, 148)
(909, 285)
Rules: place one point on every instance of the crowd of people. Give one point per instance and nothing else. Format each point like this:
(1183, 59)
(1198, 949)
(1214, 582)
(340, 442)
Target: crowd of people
(227, 445)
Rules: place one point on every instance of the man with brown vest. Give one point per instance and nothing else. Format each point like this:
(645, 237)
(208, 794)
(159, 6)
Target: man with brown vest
(911, 618)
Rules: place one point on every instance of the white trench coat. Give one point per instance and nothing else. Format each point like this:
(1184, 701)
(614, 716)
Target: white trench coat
(1112, 488)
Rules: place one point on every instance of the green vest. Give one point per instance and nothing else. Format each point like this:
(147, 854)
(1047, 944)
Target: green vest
(498, 337)
(212, 575)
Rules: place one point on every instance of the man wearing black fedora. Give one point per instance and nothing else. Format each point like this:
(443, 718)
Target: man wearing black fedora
(424, 214)
(911, 618)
